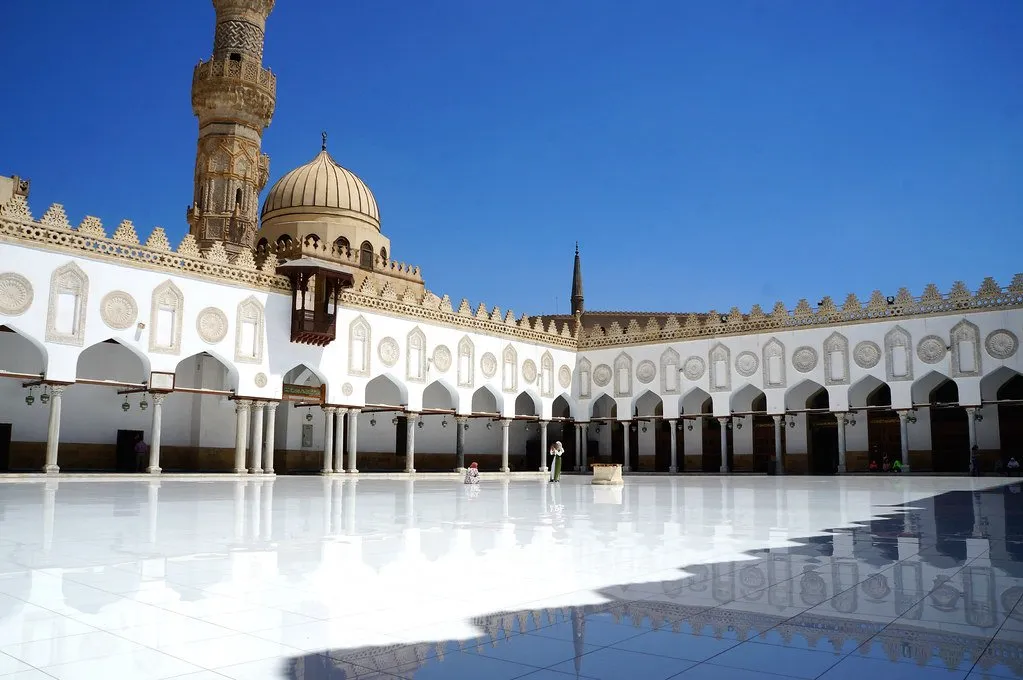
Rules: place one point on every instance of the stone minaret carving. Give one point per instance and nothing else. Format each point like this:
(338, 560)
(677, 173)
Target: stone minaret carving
(577, 285)
(234, 97)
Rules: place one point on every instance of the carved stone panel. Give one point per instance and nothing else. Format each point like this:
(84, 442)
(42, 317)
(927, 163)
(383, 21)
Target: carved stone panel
(466, 362)
(898, 354)
(931, 349)
(693, 368)
(388, 351)
(746, 364)
(836, 360)
(867, 354)
(415, 356)
(165, 319)
(250, 330)
(565, 377)
(585, 373)
(804, 359)
(966, 355)
(488, 365)
(670, 365)
(623, 375)
(602, 375)
(774, 364)
(442, 358)
(529, 371)
(118, 310)
(15, 294)
(720, 361)
(509, 370)
(65, 315)
(211, 325)
(546, 375)
(1001, 344)
(360, 339)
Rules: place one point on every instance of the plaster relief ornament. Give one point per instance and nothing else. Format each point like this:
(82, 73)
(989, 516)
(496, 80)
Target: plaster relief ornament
(388, 351)
(1001, 344)
(931, 349)
(529, 371)
(693, 368)
(746, 364)
(260, 380)
(118, 310)
(565, 377)
(347, 389)
(488, 365)
(804, 359)
(211, 325)
(602, 375)
(15, 294)
(442, 358)
(646, 371)
(867, 354)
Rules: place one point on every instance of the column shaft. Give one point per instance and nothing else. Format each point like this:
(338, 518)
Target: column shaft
(241, 433)
(339, 440)
(971, 421)
(256, 467)
(724, 444)
(584, 435)
(673, 466)
(904, 436)
(328, 438)
(353, 439)
(627, 435)
(154, 435)
(460, 423)
(779, 462)
(841, 442)
(544, 446)
(505, 424)
(271, 433)
(410, 442)
(53, 430)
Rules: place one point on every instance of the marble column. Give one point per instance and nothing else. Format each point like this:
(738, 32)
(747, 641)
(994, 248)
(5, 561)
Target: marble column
(585, 444)
(505, 424)
(577, 433)
(971, 422)
(353, 439)
(271, 434)
(460, 423)
(673, 467)
(724, 443)
(904, 436)
(328, 439)
(154, 435)
(339, 441)
(779, 460)
(241, 433)
(53, 430)
(544, 447)
(840, 418)
(410, 441)
(256, 467)
(627, 435)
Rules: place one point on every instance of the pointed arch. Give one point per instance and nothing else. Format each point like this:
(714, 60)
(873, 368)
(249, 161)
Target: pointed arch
(584, 371)
(547, 374)
(924, 386)
(671, 363)
(440, 395)
(65, 313)
(112, 360)
(966, 354)
(20, 352)
(527, 403)
(509, 369)
(860, 392)
(386, 390)
(303, 374)
(562, 407)
(799, 396)
(720, 362)
(774, 364)
(693, 401)
(898, 354)
(360, 337)
(604, 407)
(742, 400)
(415, 356)
(646, 404)
(487, 400)
(250, 331)
(836, 359)
(466, 362)
(623, 375)
(168, 306)
(991, 383)
(206, 370)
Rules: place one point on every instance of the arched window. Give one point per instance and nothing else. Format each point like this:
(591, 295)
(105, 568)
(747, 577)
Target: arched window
(284, 240)
(262, 245)
(342, 246)
(383, 255)
(366, 255)
(313, 239)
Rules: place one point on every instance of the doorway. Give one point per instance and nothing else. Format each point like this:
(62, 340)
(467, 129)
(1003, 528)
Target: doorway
(5, 447)
(662, 447)
(822, 435)
(127, 460)
(950, 430)
(1010, 419)
(712, 445)
(400, 441)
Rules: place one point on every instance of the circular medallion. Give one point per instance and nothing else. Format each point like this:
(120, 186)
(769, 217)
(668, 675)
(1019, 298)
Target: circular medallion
(565, 377)
(746, 364)
(388, 351)
(602, 375)
(693, 368)
(944, 595)
(867, 354)
(529, 371)
(488, 365)
(118, 310)
(1001, 344)
(646, 371)
(752, 577)
(804, 359)
(15, 294)
(442, 358)
(347, 389)
(211, 325)
(1009, 597)
(876, 587)
(812, 588)
(260, 380)
(931, 349)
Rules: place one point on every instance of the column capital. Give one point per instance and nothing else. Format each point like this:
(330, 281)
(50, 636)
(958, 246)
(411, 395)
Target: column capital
(258, 403)
(271, 406)
(242, 405)
(461, 420)
(971, 409)
(544, 422)
(723, 419)
(506, 422)
(777, 417)
(329, 409)
(412, 415)
(57, 389)
(342, 410)
(158, 398)
(672, 420)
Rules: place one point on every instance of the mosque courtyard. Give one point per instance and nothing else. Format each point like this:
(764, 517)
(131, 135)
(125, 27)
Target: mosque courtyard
(692, 577)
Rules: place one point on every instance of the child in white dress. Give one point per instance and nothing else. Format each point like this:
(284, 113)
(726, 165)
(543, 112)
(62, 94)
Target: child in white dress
(472, 474)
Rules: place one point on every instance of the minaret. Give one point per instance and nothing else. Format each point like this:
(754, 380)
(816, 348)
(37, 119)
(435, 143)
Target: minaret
(577, 284)
(233, 96)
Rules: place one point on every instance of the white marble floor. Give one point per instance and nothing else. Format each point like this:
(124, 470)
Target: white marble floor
(306, 577)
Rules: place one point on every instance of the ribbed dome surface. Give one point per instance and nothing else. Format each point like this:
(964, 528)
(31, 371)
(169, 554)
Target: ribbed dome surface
(321, 183)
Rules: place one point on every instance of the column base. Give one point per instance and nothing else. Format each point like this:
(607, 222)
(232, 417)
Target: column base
(840, 470)
(673, 470)
(410, 471)
(905, 468)
(544, 469)
(269, 473)
(626, 468)
(51, 469)
(460, 470)
(724, 469)
(255, 471)
(153, 470)
(505, 469)
(353, 471)
(326, 472)
(241, 471)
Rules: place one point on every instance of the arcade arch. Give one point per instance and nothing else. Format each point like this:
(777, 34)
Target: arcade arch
(650, 433)
(22, 360)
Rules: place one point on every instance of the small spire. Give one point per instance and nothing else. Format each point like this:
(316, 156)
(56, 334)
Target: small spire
(577, 284)
(323, 146)
(576, 247)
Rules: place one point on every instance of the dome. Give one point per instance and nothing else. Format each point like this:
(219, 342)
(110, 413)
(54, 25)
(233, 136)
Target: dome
(321, 188)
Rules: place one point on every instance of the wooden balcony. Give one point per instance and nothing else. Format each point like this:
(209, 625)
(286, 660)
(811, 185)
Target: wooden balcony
(310, 328)
(316, 287)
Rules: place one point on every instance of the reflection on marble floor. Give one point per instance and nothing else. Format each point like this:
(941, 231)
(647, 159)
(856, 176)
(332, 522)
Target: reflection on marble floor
(311, 579)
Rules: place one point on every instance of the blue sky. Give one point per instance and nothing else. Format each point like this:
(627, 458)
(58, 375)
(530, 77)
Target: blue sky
(704, 154)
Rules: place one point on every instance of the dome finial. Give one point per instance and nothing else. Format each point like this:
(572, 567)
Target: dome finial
(323, 146)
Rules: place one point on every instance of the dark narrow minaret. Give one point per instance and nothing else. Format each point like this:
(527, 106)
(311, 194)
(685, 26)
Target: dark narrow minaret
(577, 284)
